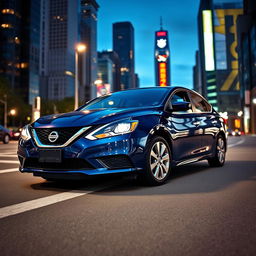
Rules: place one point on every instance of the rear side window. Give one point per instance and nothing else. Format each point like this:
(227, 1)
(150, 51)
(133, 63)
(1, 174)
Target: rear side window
(199, 104)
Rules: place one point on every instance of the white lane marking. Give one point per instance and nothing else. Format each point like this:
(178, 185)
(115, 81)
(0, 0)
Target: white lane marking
(8, 156)
(45, 201)
(5, 152)
(9, 162)
(9, 170)
(237, 143)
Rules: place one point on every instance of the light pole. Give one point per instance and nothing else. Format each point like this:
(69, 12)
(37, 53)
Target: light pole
(5, 110)
(79, 49)
(13, 113)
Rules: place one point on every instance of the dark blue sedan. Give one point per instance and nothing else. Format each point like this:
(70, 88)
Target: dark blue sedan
(148, 131)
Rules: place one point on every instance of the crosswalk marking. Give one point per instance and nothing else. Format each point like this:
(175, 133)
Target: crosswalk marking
(9, 170)
(9, 162)
(4, 156)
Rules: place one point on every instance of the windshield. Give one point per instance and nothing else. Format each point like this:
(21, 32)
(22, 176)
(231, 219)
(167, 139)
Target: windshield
(129, 99)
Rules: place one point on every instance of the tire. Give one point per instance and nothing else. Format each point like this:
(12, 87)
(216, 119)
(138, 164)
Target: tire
(6, 139)
(220, 153)
(158, 162)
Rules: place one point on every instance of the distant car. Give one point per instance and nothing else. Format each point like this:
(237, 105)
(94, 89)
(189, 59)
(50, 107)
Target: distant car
(15, 134)
(4, 135)
(235, 132)
(148, 131)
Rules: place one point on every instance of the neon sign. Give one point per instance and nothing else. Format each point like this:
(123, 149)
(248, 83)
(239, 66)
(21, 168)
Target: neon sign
(161, 33)
(162, 74)
(162, 58)
(161, 43)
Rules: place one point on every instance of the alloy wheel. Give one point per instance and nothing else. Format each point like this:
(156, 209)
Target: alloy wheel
(221, 150)
(159, 160)
(6, 139)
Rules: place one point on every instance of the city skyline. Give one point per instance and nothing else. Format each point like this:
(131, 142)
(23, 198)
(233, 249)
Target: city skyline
(182, 35)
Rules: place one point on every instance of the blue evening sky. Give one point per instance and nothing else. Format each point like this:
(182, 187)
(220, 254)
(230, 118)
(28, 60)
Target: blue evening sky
(179, 18)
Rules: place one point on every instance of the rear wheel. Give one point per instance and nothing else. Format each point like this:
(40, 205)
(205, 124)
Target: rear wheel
(158, 161)
(6, 139)
(220, 155)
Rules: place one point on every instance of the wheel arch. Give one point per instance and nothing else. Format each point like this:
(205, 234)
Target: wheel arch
(161, 131)
(222, 133)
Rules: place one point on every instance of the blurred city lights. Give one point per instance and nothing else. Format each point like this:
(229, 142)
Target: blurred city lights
(81, 47)
(13, 112)
(240, 113)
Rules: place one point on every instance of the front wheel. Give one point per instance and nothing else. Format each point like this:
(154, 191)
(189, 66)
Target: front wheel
(6, 139)
(158, 161)
(220, 155)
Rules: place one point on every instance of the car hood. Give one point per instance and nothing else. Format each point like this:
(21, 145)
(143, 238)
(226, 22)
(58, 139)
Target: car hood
(91, 117)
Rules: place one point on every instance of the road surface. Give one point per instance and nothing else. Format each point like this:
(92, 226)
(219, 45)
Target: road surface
(200, 211)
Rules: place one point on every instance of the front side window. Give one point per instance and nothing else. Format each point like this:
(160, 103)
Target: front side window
(199, 104)
(178, 97)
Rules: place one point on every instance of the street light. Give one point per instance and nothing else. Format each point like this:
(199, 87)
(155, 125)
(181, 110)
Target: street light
(80, 48)
(13, 112)
(254, 101)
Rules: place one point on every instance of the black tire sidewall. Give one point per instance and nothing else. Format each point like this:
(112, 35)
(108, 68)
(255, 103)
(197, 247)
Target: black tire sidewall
(147, 170)
(6, 139)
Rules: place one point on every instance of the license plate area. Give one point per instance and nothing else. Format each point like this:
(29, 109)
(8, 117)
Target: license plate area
(50, 156)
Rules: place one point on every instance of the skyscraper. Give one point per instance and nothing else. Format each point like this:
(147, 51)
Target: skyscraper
(218, 55)
(105, 57)
(19, 46)
(162, 58)
(59, 36)
(123, 45)
(88, 35)
(246, 28)
(64, 24)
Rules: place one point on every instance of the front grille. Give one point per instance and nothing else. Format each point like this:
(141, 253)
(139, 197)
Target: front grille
(116, 162)
(65, 165)
(64, 134)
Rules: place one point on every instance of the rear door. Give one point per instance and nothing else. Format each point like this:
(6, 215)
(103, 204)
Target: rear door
(183, 128)
(207, 125)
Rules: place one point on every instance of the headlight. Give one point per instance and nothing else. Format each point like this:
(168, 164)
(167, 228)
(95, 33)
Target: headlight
(25, 135)
(111, 130)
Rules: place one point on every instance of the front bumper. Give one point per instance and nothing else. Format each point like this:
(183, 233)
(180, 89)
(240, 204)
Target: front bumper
(117, 154)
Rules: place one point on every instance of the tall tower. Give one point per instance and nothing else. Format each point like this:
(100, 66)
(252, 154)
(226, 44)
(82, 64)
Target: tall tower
(123, 45)
(19, 46)
(88, 36)
(162, 57)
(59, 35)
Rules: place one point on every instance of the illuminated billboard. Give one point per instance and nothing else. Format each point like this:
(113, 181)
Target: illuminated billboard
(162, 58)
(208, 40)
(102, 89)
(226, 53)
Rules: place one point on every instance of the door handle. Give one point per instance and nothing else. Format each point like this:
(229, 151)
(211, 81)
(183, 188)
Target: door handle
(196, 123)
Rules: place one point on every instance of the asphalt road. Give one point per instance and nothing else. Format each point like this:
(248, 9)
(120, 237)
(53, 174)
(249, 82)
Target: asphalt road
(200, 211)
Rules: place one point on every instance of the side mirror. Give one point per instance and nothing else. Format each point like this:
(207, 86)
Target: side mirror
(181, 106)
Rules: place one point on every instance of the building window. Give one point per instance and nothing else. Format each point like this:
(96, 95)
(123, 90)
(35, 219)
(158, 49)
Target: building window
(8, 11)
(6, 25)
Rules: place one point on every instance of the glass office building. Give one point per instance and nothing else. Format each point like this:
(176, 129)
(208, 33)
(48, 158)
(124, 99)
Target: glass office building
(246, 29)
(123, 45)
(19, 46)
(217, 21)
